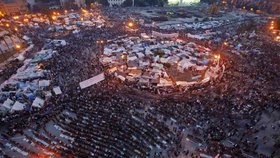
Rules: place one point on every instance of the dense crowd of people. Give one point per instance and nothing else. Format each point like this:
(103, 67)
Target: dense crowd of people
(111, 119)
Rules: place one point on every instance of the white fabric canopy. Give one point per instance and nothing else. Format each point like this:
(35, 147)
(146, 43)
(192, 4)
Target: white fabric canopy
(18, 106)
(57, 90)
(8, 104)
(44, 83)
(38, 102)
(92, 81)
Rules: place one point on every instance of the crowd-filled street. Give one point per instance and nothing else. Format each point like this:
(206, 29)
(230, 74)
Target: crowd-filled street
(115, 82)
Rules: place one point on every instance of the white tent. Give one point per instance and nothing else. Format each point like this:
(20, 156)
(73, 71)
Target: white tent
(44, 83)
(8, 104)
(92, 81)
(38, 102)
(57, 90)
(17, 106)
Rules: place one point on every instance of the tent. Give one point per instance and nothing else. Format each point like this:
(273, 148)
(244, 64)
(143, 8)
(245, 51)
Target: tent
(38, 102)
(18, 106)
(8, 104)
(44, 83)
(57, 90)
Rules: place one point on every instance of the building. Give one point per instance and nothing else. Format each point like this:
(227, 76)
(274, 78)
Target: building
(67, 4)
(80, 3)
(182, 2)
(115, 2)
(11, 7)
(43, 5)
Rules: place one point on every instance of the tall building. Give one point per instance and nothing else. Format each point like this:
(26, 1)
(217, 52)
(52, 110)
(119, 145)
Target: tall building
(10, 7)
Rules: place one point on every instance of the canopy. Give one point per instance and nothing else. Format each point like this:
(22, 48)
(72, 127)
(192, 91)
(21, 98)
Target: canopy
(57, 90)
(44, 83)
(38, 102)
(92, 81)
(18, 106)
(8, 104)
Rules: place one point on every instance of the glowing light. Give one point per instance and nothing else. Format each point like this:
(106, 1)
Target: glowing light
(2, 14)
(272, 27)
(16, 29)
(225, 43)
(84, 11)
(16, 17)
(54, 17)
(7, 25)
(217, 56)
(244, 7)
(18, 46)
(39, 66)
(130, 24)
(65, 11)
(252, 9)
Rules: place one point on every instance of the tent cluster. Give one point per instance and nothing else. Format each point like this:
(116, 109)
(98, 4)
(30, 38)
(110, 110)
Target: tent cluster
(159, 61)
(30, 86)
(73, 21)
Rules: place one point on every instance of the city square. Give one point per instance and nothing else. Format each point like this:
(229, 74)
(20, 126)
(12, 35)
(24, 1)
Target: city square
(128, 78)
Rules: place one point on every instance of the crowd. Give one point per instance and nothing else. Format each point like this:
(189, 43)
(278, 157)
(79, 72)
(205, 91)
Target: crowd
(111, 119)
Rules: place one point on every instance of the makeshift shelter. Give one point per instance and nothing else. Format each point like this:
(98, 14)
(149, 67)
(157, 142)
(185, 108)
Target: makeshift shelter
(38, 102)
(8, 104)
(17, 107)
(57, 90)
(44, 83)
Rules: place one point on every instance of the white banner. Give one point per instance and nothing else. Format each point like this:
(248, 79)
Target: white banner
(92, 81)
(162, 35)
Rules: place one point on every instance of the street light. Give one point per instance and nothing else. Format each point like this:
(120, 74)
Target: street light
(18, 46)
(130, 24)
(16, 17)
(217, 56)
